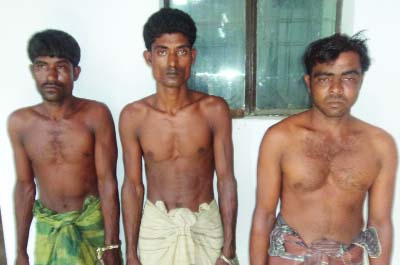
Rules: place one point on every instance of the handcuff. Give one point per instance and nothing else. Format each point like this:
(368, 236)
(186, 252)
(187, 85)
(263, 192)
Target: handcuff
(100, 251)
(233, 261)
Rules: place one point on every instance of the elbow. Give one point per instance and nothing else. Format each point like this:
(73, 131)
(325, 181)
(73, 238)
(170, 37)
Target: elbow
(107, 186)
(383, 226)
(131, 188)
(26, 188)
(264, 218)
(227, 181)
(24, 192)
(381, 221)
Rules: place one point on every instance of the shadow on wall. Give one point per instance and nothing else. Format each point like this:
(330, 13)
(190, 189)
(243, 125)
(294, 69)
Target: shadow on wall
(3, 260)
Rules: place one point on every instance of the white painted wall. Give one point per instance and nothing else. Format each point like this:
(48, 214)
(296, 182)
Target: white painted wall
(114, 72)
(379, 101)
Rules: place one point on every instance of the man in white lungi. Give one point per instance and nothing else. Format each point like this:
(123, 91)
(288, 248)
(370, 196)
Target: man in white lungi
(183, 136)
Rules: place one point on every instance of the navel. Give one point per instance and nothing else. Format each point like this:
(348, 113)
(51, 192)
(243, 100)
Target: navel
(201, 150)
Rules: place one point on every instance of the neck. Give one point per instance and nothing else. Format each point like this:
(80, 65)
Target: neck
(171, 100)
(58, 110)
(333, 125)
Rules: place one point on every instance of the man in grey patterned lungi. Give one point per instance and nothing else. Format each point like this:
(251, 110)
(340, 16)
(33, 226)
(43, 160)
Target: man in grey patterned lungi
(321, 164)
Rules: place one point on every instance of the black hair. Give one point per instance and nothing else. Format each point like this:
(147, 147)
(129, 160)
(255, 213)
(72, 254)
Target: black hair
(54, 43)
(168, 20)
(328, 49)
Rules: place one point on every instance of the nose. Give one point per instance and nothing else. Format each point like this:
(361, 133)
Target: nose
(172, 59)
(336, 88)
(52, 74)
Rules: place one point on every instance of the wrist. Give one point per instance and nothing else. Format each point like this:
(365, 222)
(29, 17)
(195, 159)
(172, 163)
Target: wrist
(230, 261)
(112, 240)
(101, 250)
(229, 251)
(131, 256)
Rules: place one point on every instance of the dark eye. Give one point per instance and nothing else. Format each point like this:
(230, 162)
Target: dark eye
(40, 66)
(351, 79)
(61, 67)
(182, 52)
(323, 80)
(161, 52)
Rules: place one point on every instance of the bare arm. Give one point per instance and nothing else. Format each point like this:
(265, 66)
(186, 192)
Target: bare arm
(105, 162)
(25, 188)
(268, 194)
(226, 182)
(381, 200)
(132, 188)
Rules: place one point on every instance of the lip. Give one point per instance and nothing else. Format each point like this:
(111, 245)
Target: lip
(335, 100)
(335, 103)
(51, 87)
(172, 73)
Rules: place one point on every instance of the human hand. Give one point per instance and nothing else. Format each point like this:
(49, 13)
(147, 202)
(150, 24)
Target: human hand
(220, 262)
(112, 257)
(133, 261)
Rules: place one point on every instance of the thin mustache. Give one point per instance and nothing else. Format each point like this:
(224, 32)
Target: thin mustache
(335, 98)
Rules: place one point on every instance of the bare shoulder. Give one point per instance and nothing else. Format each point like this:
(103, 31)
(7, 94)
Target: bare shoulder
(92, 106)
(211, 101)
(96, 114)
(138, 106)
(288, 127)
(380, 139)
(213, 105)
(20, 118)
(134, 112)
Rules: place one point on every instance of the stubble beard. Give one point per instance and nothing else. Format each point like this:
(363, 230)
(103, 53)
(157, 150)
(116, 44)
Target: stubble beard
(56, 96)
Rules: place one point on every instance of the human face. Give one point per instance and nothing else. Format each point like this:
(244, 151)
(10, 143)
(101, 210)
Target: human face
(171, 58)
(334, 86)
(54, 77)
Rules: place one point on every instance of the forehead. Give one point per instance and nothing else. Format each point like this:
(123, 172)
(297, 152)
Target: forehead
(346, 61)
(171, 40)
(51, 59)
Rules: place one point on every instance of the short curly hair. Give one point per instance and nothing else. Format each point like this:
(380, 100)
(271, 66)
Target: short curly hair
(54, 43)
(168, 20)
(328, 49)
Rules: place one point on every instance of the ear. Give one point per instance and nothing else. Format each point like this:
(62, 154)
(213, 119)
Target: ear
(361, 80)
(31, 70)
(307, 80)
(147, 57)
(194, 54)
(76, 71)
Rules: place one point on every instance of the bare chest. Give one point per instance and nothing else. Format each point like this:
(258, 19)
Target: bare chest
(347, 164)
(175, 138)
(56, 142)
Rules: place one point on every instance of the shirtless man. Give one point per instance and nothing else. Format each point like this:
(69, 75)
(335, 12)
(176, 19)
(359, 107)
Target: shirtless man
(66, 145)
(183, 137)
(320, 165)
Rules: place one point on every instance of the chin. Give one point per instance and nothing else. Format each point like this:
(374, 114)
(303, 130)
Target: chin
(53, 99)
(336, 114)
(173, 85)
